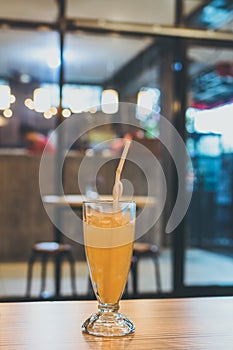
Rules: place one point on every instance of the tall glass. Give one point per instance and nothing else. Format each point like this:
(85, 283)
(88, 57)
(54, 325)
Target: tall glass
(108, 235)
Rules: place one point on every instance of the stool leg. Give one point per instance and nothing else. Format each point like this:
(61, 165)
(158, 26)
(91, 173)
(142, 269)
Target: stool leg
(72, 272)
(43, 273)
(29, 274)
(157, 273)
(134, 270)
(57, 261)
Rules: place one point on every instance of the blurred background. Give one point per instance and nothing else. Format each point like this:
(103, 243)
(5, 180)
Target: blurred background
(62, 58)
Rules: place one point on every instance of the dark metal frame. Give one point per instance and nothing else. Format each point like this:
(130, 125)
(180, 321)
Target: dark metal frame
(181, 38)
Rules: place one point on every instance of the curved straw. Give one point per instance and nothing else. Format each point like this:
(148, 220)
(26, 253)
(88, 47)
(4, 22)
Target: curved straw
(118, 187)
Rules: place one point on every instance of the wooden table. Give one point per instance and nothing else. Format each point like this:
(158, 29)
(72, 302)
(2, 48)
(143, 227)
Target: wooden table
(182, 324)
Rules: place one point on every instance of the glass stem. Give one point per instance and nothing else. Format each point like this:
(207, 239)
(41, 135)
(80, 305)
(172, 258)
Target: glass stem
(108, 307)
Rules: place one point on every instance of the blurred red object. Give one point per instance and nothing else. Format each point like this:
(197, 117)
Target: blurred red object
(225, 69)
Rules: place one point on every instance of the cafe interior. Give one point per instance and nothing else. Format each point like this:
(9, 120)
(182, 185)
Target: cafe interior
(154, 62)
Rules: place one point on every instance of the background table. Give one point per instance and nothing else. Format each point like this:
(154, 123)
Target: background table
(199, 323)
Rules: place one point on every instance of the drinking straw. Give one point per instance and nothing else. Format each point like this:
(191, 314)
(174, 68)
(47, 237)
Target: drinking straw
(118, 187)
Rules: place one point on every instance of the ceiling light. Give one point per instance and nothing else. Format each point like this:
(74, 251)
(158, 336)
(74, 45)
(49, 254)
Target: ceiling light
(25, 78)
(147, 100)
(53, 59)
(77, 100)
(48, 115)
(109, 101)
(12, 98)
(29, 103)
(5, 93)
(8, 113)
(41, 99)
(53, 110)
(66, 113)
(93, 110)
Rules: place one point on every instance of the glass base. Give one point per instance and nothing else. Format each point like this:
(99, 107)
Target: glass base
(108, 324)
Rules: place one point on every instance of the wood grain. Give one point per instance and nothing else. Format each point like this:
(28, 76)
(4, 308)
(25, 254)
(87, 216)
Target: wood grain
(199, 323)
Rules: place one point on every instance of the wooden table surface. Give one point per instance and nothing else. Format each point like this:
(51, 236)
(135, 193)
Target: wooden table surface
(77, 200)
(198, 323)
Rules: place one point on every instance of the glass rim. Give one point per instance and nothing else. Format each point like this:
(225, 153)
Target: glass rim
(108, 201)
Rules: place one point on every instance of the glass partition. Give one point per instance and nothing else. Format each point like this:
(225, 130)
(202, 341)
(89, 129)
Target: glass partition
(209, 252)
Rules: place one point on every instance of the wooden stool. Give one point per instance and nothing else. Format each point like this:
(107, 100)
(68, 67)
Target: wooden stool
(144, 250)
(44, 251)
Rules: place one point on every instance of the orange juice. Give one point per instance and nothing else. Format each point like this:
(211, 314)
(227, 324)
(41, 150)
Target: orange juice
(109, 244)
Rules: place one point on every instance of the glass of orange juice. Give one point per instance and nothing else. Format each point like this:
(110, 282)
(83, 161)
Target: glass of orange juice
(109, 228)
